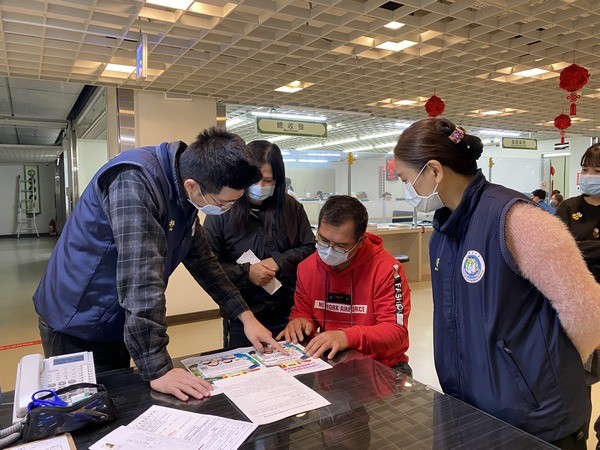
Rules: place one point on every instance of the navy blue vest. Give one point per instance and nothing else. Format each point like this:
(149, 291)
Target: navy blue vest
(498, 343)
(78, 295)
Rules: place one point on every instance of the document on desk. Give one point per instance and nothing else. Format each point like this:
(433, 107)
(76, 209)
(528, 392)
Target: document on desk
(240, 361)
(249, 257)
(62, 442)
(160, 427)
(270, 394)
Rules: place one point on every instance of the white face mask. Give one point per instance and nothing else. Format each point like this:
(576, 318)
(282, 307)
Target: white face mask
(333, 257)
(590, 184)
(422, 203)
(260, 193)
(330, 256)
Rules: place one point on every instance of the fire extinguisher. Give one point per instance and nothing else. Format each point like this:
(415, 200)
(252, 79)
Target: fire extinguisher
(52, 228)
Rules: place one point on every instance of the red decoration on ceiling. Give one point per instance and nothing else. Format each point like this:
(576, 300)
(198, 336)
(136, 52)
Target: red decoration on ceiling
(562, 122)
(572, 79)
(434, 106)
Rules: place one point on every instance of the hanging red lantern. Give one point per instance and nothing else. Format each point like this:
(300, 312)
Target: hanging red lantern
(562, 122)
(434, 106)
(572, 79)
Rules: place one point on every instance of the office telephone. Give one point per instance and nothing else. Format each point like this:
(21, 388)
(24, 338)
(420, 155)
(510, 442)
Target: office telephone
(35, 373)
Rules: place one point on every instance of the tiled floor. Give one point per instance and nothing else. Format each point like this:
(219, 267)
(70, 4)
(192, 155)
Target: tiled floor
(22, 263)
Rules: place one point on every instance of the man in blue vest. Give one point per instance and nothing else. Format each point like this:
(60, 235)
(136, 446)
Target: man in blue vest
(104, 288)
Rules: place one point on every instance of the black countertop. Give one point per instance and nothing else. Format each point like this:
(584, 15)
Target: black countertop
(371, 407)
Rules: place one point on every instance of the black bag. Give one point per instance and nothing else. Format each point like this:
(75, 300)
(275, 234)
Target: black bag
(46, 421)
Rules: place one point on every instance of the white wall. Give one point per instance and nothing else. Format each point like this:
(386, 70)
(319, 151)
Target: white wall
(516, 169)
(91, 155)
(158, 120)
(9, 201)
(310, 177)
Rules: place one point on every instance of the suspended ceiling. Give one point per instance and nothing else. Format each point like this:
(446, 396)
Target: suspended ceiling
(467, 52)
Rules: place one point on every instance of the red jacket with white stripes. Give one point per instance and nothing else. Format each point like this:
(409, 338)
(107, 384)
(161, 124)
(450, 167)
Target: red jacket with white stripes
(369, 301)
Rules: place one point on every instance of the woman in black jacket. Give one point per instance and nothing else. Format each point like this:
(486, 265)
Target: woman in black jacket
(275, 227)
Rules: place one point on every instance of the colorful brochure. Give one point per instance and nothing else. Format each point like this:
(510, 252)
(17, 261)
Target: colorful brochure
(240, 361)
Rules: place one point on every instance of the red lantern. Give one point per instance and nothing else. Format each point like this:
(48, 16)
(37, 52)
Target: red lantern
(562, 122)
(572, 79)
(434, 106)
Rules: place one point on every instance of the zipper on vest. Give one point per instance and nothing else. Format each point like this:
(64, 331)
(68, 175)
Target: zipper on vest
(454, 308)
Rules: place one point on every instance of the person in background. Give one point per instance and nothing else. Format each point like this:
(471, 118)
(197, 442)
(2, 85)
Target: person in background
(508, 338)
(104, 288)
(386, 196)
(556, 200)
(352, 291)
(539, 197)
(276, 229)
(289, 188)
(581, 214)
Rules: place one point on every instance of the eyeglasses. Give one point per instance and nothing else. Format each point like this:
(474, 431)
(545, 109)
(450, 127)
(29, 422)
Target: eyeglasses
(336, 248)
(225, 205)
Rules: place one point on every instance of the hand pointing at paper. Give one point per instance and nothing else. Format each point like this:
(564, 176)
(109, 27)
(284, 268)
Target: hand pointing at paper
(258, 335)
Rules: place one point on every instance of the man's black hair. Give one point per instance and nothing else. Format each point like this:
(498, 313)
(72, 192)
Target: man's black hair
(539, 193)
(340, 209)
(218, 159)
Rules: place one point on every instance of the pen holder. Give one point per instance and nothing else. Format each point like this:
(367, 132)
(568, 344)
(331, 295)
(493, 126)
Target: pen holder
(46, 421)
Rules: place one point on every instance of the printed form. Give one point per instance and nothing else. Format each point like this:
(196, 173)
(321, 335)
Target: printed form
(160, 427)
(270, 394)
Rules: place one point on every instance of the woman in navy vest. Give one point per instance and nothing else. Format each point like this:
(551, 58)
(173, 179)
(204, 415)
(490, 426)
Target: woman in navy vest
(508, 338)
(276, 228)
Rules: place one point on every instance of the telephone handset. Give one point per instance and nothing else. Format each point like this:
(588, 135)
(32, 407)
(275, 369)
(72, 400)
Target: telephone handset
(35, 373)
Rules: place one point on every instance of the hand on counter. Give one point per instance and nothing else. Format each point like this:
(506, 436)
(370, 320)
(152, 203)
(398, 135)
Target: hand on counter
(335, 341)
(182, 384)
(297, 330)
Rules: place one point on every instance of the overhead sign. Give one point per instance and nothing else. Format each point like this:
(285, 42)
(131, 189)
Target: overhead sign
(141, 58)
(522, 143)
(291, 127)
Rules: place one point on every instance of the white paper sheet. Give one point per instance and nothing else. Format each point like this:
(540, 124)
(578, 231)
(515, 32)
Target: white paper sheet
(269, 395)
(159, 423)
(62, 442)
(126, 438)
(249, 257)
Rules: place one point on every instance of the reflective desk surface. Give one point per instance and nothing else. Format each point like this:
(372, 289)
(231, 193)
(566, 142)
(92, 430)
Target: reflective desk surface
(371, 407)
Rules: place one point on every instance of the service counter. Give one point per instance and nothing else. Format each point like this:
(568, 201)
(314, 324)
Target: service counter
(410, 241)
(371, 407)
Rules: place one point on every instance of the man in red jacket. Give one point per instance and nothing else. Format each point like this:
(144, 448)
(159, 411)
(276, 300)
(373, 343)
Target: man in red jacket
(351, 291)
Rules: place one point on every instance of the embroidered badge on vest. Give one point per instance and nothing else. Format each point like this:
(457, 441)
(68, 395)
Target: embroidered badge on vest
(171, 224)
(473, 267)
(576, 216)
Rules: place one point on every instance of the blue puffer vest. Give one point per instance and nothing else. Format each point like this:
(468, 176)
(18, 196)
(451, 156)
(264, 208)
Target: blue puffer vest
(499, 345)
(78, 293)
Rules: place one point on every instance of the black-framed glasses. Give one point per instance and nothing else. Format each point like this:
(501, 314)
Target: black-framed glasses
(342, 251)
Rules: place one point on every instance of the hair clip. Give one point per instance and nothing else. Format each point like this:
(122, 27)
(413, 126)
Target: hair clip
(457, 134)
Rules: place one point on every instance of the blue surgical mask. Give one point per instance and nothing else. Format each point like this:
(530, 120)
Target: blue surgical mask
(208, 209)
(260, 193)
(422, 203)
(590, 184)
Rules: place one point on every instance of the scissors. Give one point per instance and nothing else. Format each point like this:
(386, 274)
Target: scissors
(45, 397)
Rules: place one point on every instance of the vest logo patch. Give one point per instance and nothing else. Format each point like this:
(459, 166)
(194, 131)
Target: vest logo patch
(473, 267)
(171, 224)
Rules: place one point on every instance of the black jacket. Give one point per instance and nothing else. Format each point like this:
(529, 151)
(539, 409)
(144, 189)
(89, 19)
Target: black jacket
(287, 247)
